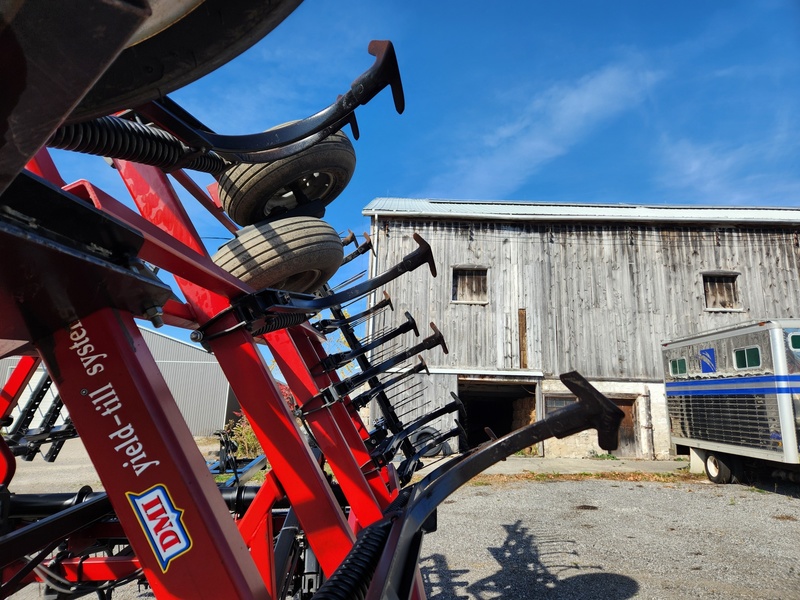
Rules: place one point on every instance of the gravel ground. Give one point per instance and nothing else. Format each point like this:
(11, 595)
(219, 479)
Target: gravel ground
(602, 539)
(615, 540)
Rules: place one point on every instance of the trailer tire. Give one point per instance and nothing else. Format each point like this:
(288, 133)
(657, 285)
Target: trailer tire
(251, 193)
(297, 254)
(718, 468)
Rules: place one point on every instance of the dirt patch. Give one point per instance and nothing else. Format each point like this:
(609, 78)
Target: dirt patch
(634, 476)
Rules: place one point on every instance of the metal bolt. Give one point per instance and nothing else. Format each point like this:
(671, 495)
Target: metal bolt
(196, 336)
(154, 314)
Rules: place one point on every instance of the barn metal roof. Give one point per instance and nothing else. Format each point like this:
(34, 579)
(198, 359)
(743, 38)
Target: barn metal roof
(542, 211)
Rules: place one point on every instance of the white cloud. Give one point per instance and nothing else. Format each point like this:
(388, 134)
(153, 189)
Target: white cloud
(743, 174)
(512, 149)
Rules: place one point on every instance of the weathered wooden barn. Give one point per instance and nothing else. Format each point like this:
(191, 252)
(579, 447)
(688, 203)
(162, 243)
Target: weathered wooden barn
(526, 291)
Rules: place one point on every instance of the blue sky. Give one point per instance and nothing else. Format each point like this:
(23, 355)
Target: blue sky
(576, 101)
(613, 102)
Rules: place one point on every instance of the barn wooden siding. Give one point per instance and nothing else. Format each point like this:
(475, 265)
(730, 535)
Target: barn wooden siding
(598, 297)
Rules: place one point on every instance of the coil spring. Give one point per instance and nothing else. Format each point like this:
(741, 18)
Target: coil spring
(128, 140)
(280, 321)
(352, 578)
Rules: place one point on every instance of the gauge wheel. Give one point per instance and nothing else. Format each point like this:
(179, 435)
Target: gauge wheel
(423, 437)
(180, 51)
(251, 193)
(297, 254)
(718, 468)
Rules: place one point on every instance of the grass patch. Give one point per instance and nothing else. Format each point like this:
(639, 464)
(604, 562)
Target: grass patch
(603, 457)
(635, 476)
(478, 482)
(259, 477)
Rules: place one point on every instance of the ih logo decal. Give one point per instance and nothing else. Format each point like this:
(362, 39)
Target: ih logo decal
(162, 522)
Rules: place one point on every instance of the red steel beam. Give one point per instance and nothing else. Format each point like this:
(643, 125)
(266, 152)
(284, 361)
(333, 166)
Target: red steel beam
(332, 428)
(256, 529)
(176, 256)
(13, 388)
(285, 447)
(157, 481)
(9, 397)
(101, 568)
(205, 200)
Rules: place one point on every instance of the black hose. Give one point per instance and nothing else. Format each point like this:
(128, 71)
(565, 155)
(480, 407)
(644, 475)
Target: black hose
(128, 140)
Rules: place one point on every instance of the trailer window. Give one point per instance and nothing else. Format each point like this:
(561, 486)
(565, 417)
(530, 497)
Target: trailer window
(794, 341)
(677, 366)
(747, 358)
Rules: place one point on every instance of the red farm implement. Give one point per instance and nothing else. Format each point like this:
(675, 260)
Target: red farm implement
(79, 267)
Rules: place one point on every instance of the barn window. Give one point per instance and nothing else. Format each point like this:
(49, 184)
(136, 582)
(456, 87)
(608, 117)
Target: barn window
(470, 285)
(747, 358)
(721, 291)
(677, 366)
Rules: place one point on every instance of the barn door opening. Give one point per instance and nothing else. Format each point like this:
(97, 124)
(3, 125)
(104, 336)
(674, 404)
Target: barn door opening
(628, 448)
(501, 406)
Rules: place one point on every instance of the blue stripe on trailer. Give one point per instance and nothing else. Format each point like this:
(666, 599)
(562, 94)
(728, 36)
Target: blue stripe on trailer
(736, 386)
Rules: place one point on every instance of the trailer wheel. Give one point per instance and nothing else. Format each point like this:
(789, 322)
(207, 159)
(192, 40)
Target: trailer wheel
(717, 468)
(251, 193)
(297, 254)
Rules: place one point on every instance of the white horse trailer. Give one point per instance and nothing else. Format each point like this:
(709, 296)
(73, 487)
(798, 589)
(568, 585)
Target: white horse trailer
(733, 395)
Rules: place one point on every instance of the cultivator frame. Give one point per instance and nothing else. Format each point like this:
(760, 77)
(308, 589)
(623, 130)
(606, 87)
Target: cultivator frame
(77, 272)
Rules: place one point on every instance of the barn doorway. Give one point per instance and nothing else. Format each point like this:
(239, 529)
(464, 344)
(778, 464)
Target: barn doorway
(628, 447)
(501, 406)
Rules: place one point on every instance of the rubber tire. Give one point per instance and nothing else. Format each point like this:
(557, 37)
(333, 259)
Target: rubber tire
(251, 193)
(718, 468)
(298, 254)
(422, 437)
(208, 37)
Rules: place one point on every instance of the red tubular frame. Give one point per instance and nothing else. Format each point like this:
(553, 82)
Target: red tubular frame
(289, 455)
(140, 444)
(9, 397)
(158, 483)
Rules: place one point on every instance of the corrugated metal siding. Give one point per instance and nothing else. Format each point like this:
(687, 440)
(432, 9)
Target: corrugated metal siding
(599, 298)
(6, 368)
(193, 376)
(195, 379)
(565, 212)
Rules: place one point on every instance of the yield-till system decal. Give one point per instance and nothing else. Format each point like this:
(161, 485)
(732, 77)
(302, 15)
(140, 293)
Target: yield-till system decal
(162, 521)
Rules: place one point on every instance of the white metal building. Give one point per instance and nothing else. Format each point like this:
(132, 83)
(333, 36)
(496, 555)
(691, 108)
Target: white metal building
(193, 376)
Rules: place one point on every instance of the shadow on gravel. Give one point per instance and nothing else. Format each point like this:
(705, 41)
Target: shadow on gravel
(523, 574)
(763, 480)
